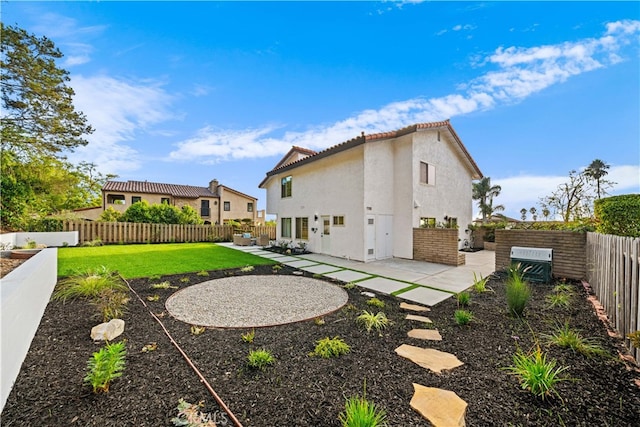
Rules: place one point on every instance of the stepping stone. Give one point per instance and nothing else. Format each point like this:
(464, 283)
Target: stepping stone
(413, 307)
(432, 359)
(425, 334)
(368, 294)
(418, 318)
(443, 408)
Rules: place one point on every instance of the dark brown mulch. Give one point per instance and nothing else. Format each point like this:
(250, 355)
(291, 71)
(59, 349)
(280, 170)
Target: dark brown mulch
(307, 391)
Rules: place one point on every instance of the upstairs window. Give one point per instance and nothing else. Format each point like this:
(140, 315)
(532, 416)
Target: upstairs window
(227, 206)
(115, 199)
(427, 173)
(204, 208)
(285, 186)
(249, 207)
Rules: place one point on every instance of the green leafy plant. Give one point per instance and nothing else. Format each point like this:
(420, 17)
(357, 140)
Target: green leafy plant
(563, 288)
(93, 243)
(110, 303)
(330, 347)
(349, 307)
(249, 336)
(247, 269)
(349, 285)
(202, 273)
(276, 268)
(319, 321)
(566, 337)
(463, 298)
(360, 412)
(517, 291)
(378, 321)
(89, 284)
(375, 302)
(184, 280)
(537, 374)
(634, 337)
(559, 299)
(163, 285)
(106, 365)
(480, 283)
(197, 330)
(154, 297)
(189, 415)
(260, 359)
(462, 317)
(154, 277)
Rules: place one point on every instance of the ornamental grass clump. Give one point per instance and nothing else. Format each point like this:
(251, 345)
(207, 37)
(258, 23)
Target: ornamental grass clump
(518, 292)
(463, 298)
(462, 317)
(106, 365)
(360, 412)
(537, 374)
(480, 283)
(375, 302)
(89, 284)
(566, 337)
(378, 321)
(330, 347)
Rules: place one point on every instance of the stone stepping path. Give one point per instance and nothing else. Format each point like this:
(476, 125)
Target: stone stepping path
(425, 334)
(413, 307)
(443, 408)
(418, 318)
(430, 358)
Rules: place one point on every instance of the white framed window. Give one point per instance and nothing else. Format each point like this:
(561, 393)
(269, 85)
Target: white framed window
(427, 173)
(286, 186)
(302, 228)
(285, 227)
(338, 220)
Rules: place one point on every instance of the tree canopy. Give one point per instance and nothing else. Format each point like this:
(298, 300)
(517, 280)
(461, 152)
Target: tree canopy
(484, 193)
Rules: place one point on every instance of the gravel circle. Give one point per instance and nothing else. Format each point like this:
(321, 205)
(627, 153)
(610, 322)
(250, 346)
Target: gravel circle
(255, 301)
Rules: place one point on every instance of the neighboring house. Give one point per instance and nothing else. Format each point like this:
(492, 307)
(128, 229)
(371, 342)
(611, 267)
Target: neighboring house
(362, 198)
(215, 204)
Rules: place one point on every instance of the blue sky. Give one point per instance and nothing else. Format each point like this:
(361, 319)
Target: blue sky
(186, 92)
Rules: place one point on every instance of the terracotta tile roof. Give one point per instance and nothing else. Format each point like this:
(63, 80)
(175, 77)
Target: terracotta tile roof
(295, 149)
(280, 167)
(145, 187)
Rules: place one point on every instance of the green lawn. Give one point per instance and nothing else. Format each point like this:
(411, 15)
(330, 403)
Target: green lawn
(146, 260)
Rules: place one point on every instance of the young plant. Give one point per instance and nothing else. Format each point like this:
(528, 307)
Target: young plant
(154, 297)
(197, 330)
(185, 279)
(566, 337)
(260, 359)
(563, 288)
(249, 336)
(377, 321)
(560, 299)
(536, 373)
(330, 347)
(518, 292)
(375, 302)
(349, 285)
(110, 303)
(463, 298)
(202, 273)
(319, 321)
(163, 285)
(360, 412)
(105, 365)
(276, 268)
(634, 337)
(480, 283)
(189, 415)
(154, 277)
(462, 317)
(149, 347)
(89, 284)
(247, 269)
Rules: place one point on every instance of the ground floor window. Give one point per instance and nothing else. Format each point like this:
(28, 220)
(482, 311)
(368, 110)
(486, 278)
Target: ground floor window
(302, 228)
(338, 220)
(285, 227)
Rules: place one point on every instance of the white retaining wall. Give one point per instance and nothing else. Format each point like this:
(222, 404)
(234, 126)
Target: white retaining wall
(54, 238)
(24, 294)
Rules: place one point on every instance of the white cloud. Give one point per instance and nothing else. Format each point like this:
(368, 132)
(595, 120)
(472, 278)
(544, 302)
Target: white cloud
(515, 73)
(117, 110)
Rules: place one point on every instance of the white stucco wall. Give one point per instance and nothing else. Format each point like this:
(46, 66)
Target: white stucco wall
(330, 186)
(403, 197)
(53, 238)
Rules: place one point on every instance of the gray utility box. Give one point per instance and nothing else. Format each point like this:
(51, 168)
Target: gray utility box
(537, 263)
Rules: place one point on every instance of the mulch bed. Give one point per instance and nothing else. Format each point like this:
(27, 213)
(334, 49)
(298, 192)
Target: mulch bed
(308, 391)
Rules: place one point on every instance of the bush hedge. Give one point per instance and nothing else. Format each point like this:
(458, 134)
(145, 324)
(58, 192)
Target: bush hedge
(618, 215)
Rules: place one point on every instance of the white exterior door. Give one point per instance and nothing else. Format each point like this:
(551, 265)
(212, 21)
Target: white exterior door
(325, 235)
(384, 238)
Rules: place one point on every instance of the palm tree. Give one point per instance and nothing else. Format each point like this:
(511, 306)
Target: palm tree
(596, 171)
(484, 193)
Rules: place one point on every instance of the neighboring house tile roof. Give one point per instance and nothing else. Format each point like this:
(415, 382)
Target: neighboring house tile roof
(145, 187)
(283, 165)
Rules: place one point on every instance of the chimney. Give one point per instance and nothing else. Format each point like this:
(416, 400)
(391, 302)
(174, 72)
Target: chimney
(213, 186)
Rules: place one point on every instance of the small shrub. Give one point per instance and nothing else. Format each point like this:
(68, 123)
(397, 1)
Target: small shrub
(184, 279)
(154, 277)
(371, 321)
(330, 347)
(93, 243)
(163, 285)
(480, 283)
(89, 284)
(375, 302)
(462, 317)
(349, 307)
(359, 412)
(349, 285)
(197, 330)
(566, 337)
(564, 288)
(634, 337)
(247, 269)
(152, 298)
(319, 321)
(105, 365)
(463, 299)
(559, 299)
(248, 336)
(189, 415)
(202, 273)
(276, 268)
(518, 292)
(317, 276)
(260, 359)
(110, 303)
(536, 373)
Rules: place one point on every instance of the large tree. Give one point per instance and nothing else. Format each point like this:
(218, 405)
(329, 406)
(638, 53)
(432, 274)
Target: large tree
(573, 199)
(596, 171)
(38, 126)
(484, 193)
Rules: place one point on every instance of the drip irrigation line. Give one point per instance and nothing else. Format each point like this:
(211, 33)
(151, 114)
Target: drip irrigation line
(233, 418)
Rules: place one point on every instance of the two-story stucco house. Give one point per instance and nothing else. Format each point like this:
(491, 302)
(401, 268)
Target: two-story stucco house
(362, 198)
(215, 204)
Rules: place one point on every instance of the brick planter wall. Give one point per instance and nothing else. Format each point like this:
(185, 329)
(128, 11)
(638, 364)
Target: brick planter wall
(569, 249)
(439, 245)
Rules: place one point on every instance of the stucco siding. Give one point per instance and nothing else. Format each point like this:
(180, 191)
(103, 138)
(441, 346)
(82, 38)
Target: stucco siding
(403, 198)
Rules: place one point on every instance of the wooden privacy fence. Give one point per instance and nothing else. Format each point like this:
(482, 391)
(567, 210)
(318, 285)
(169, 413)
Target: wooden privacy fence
(131, 232)
(613, 271)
